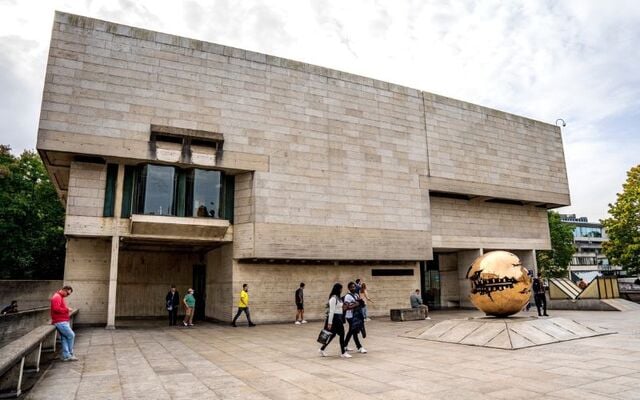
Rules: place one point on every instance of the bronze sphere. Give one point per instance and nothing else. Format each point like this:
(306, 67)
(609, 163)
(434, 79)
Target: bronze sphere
(500, 285)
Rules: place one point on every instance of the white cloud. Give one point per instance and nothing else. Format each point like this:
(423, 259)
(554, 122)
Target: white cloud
(575, 59)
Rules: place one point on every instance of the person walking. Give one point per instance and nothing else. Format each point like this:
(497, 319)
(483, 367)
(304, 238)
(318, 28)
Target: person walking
(60, 317)
(364, 295)
(299, 298)
(539, 295)
(243, 306)
(353, 305)
(189, 308)
(333, 322)
(172, 301)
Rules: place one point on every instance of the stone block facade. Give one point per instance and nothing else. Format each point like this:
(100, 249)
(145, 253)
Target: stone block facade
(86, 189)
(334, 175)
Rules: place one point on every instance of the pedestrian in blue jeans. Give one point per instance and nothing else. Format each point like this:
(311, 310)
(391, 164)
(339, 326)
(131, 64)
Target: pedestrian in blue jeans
(60, 316)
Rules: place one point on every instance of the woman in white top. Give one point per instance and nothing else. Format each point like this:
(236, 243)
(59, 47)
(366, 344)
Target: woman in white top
(334, 322)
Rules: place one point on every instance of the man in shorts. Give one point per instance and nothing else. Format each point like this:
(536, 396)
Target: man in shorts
(300, 305)
(189, 307)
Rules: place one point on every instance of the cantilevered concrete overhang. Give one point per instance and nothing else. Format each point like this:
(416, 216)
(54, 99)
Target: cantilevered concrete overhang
(177, 228)
(150, 229)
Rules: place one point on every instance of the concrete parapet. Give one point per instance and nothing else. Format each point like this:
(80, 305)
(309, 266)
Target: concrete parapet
(12, 326)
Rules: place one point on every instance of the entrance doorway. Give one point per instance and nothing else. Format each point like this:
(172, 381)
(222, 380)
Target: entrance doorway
(199, 286)
(430, 280)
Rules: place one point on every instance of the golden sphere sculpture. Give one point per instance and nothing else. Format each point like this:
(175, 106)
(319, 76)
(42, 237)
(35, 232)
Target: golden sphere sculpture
(500, 285)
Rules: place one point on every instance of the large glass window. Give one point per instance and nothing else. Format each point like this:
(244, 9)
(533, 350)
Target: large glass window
(110, 190)
(159, 188)
(167, 190)
(586, 231)
(207, 188)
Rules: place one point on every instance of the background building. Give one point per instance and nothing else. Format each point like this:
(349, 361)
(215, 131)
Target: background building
(589, 260)
(192, 163)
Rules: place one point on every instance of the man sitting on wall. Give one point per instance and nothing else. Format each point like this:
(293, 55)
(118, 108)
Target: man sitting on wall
(416, 302)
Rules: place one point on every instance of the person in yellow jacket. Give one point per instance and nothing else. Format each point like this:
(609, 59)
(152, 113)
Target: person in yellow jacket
(243, 305)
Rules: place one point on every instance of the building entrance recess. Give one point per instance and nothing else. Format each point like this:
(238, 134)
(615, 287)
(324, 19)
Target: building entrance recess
(199, 286)
(430, 282)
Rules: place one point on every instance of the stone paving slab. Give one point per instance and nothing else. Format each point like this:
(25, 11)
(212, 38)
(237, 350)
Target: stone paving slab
(147, 360)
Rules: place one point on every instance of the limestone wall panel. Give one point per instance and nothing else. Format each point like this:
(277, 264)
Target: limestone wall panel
(220, 297)
(476, 224)
(86, 189)
(87, 271)
(490, 149)
(272, 288)
(144, 278)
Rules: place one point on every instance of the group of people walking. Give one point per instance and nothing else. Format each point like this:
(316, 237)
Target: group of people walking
(350, 308)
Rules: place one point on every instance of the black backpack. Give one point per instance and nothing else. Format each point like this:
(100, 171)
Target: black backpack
(536, 285)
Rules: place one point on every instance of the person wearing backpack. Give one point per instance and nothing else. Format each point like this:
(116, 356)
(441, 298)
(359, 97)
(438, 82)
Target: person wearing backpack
(539, 295)
(353, 306)
(333, 322)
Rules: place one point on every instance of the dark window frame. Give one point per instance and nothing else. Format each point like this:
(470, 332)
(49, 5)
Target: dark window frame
(134, 191)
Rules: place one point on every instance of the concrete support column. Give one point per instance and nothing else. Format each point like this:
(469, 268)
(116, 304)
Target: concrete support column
(465, 259)
(113, 282)
(449, 281)
(115, 251)
(528, 259)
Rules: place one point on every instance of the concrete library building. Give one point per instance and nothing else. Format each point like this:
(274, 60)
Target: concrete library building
(191, 163)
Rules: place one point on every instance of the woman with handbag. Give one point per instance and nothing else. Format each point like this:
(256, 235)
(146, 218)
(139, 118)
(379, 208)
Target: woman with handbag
(334, 322)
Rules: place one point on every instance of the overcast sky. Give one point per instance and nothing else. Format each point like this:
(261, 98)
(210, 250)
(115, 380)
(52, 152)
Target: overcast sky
(576, 60)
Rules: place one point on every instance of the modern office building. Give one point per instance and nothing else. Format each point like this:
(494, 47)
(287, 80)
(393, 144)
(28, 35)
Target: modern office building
(187, 162)
(588, 260)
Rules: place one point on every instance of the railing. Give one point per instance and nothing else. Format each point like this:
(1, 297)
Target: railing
(23, 355)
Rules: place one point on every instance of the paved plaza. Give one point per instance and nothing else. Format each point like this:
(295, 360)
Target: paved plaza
(146, 360)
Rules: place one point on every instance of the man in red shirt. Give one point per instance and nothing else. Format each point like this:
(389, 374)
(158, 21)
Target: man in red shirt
(60, 318)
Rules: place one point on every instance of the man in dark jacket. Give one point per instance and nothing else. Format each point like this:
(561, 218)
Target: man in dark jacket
(539, 295)
(11, 308)
(173, 302)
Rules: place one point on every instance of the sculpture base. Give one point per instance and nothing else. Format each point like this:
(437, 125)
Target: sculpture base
(506, 333)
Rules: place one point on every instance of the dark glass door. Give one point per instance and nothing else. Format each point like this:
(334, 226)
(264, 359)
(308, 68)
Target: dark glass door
(431, 283)
(199, 286)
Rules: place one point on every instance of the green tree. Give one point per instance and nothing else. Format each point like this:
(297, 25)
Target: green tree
(32, 243)
(623, 227)
(555, 262)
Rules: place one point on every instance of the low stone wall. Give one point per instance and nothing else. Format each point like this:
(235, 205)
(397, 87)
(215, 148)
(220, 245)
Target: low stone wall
(581, 304)
(629, 289)
(29, 294)
(12, 326)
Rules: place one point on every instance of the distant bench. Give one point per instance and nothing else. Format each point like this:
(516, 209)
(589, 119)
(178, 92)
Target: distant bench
(407, 314)
(23, 355)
